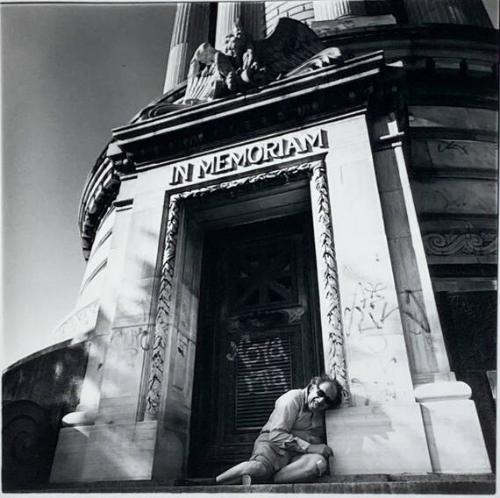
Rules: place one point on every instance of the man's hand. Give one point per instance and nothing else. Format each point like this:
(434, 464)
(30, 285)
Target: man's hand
(320, 449)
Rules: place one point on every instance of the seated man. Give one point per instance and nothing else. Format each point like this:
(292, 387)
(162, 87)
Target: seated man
(290, 447)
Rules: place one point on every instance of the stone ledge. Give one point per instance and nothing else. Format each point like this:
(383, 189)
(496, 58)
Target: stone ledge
(362, 484)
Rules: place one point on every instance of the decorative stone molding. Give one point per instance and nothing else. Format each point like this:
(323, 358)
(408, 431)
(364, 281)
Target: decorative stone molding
(321, 210)
(327, 57)
(483, 243)
(437, 391)
(317, 173)
(100, 191)
(164, 311)
(79, 418)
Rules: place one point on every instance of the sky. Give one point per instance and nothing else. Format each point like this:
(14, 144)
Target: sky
(70, 74)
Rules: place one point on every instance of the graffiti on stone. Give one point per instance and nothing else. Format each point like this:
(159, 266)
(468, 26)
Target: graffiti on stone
(130, 342)
(445, 145)
(369, 309)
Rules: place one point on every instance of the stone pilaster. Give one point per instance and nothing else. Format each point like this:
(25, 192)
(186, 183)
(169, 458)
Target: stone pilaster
(381, 419)
(423, 333)
(190, 30)
(454, 437)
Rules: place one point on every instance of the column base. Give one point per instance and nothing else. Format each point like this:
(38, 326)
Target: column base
(454, 435)
(79, 418)
(378, 439)
(104, 453)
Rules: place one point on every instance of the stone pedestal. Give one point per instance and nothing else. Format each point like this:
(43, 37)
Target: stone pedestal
(105, 453)
(379, 439)
(454, 436)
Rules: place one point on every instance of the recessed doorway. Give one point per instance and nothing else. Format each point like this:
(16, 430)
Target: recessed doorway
(258, 334)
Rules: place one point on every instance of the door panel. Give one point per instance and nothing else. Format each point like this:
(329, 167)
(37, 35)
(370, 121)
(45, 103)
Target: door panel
(257, 335)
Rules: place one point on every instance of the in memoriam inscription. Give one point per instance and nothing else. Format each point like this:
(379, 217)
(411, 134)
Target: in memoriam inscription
(260, 153)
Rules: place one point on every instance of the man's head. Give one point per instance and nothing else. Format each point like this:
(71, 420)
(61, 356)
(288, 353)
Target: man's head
(323, 393)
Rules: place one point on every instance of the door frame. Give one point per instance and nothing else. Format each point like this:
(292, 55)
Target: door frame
(169, 372)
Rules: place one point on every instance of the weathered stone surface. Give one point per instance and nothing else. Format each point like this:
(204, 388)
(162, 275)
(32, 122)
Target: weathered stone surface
(36, 394)
(243, 64)
(372, 484)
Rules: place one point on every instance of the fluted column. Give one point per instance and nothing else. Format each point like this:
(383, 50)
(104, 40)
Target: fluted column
(190, 30)
(328, 11)
(251, 15)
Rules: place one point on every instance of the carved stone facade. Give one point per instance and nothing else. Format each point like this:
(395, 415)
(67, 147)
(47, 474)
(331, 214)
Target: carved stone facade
(317, 172)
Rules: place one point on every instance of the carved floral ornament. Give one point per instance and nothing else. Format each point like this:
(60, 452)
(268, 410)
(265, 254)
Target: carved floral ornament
(316, 170)
(245, 64)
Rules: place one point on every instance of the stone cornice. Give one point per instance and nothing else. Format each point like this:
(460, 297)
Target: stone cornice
(457, 34)
(184, 118)
(100, 190)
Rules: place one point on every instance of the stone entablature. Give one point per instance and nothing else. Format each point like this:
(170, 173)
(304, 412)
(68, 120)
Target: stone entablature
(243, 115)
(254, 112)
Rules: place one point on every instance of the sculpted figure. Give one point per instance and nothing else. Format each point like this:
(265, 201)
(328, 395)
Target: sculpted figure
(211, 71)
(244, 63)
(291, 446)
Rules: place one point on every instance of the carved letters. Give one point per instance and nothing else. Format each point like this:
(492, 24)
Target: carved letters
(260, 153)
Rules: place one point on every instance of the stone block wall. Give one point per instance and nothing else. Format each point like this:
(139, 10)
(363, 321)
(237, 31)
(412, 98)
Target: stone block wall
(300, 11)
(37, 393)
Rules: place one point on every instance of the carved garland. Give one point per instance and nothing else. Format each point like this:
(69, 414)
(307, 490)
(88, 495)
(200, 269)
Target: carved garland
(321, 210)
(164, 310)
(329, 279)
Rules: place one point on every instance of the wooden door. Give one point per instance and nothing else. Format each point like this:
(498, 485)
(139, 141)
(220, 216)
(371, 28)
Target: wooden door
(257, 336)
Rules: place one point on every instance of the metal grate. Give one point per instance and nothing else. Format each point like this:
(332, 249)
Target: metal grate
(263, 373)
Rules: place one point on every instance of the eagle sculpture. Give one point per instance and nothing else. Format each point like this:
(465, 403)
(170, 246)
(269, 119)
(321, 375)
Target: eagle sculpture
(245, 64)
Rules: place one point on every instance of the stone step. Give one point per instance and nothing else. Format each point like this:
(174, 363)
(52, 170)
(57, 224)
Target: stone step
(366, 484)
